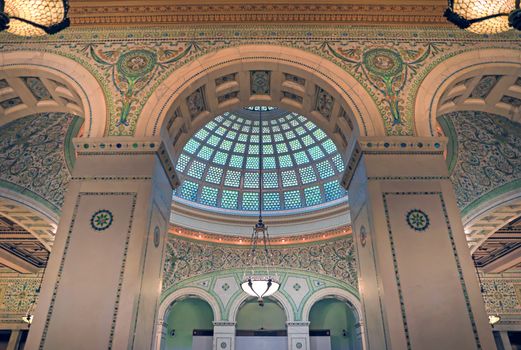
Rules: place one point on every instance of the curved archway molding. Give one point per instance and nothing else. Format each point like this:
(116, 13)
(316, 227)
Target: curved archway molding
(284, 77)
(33, 216)
(76, 76)
(165, 305)
(435, 83)
(484, 220)
(338, 293)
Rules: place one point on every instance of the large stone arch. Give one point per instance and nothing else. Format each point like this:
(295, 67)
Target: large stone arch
(220, 81)
(74, 88)
(189, 292)
(340, 294)
(466, 68)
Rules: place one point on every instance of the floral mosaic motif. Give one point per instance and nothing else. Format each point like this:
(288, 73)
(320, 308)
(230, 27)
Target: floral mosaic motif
(185, 259)
(488, 154)
(225, 287)
(511, 101)
(131, 71)
(17, 293)
(323, 102)
(12, 102)
(417, 220)
(297, 287)
(101, 220)
(196, 102)
(485, 85)
(500, 296)
(260, 82)
(387, 71)
(37, 88)
(32, 155)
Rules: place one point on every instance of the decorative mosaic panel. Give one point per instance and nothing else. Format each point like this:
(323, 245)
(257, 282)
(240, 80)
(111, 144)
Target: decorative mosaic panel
(260, 82)
(488, 154)
(502, 295)
(32, 156)
(186, 258)
(37, 88)
(389, 64)
(196, 102)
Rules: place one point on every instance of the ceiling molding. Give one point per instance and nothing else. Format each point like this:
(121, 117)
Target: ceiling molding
(160, 12)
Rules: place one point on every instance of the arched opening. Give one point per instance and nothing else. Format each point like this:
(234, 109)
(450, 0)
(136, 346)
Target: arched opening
(189, 325)
(261, 327)
(253, 317)
(334, 325)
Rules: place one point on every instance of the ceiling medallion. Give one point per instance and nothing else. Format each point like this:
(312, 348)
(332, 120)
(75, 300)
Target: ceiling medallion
(484, 16)
(33, 17)
(260, 282)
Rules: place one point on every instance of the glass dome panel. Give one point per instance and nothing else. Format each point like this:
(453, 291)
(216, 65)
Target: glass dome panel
(219, 165)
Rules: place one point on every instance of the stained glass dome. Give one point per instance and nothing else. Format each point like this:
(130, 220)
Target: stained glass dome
(219, 165)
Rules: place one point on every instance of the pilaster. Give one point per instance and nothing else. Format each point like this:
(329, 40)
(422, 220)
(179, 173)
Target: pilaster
(103, 279)
(416, 278)
(298, 335)
(223, 335)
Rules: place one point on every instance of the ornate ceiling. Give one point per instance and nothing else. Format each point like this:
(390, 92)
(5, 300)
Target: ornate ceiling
(158, 12)
(219, 166)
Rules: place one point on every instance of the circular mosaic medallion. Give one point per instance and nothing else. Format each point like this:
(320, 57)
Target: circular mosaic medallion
(136, 63)
(157, 234)
(223, 345)
(383, 62)
(417, 220)
(101, 220)
(363, 236)
(298, 345)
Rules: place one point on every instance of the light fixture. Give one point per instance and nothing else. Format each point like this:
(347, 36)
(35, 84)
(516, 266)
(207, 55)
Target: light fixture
(28, 317)
(33, 17)
(493, 319)
(484, 16)
(260, 282)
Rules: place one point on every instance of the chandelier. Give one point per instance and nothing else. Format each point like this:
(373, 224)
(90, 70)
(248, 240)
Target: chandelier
(259, 282)
(484, 16)
(33, 17)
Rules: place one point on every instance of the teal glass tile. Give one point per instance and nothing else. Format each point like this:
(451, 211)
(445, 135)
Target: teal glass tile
(250, 201)
(307, 175)
(292, 200)
(312, 195)
(271, 201)
(289, 178)
(214, 175)
(232, 179)
(209, 196)
(230, 199)
(270, 180)
(196, 169)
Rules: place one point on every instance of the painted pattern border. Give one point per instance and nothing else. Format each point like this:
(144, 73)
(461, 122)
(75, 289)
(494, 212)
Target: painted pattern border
(64, 256)
(456, 259)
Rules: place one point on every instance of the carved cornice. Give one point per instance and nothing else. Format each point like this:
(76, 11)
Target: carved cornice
(245, 240)
(158, 12)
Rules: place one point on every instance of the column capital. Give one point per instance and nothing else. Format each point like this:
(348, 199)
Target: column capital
(298, 324)
(390, 145)
(224, 324)
(124, 146)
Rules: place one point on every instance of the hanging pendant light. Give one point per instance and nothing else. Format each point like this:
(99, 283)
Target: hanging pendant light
(485, 16)
(34, 17)
(260, 283)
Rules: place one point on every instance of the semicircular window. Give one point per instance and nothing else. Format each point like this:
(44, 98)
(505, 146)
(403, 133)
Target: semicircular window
(219, 165)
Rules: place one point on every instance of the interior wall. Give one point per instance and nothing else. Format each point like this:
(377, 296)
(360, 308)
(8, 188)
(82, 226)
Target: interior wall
(336, 316)
(252, 316)
(185, 316)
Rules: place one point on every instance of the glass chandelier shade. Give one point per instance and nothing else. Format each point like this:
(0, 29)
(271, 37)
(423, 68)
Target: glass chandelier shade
(260, 283)
(485, 16)
(34, 17)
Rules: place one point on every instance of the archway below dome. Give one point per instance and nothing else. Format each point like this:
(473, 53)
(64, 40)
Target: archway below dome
(219, 165)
